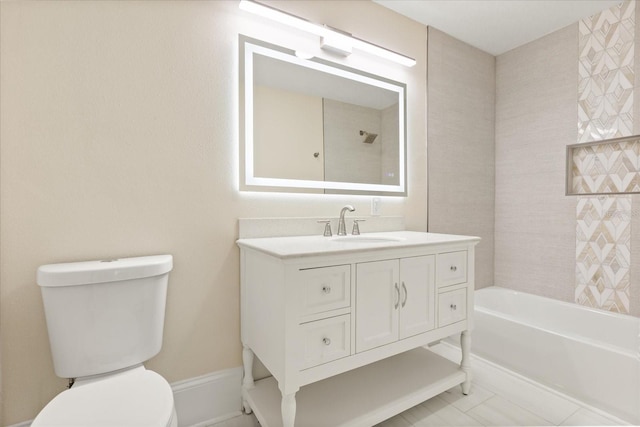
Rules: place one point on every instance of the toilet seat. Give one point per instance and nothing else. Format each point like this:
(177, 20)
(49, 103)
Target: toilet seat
(137, 398)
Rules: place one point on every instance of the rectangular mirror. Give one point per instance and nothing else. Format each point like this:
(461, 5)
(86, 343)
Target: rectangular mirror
(309, 125)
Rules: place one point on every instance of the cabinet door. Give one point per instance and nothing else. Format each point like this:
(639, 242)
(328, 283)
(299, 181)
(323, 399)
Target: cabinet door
(377, 303)
(417, 307)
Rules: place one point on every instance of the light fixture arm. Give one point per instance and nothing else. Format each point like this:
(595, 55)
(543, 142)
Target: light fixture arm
(334, 40)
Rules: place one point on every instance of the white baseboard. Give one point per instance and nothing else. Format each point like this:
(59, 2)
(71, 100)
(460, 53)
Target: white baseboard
(204, 400)
(208, 399)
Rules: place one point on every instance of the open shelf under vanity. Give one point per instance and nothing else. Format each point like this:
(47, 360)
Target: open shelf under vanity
(364, 396)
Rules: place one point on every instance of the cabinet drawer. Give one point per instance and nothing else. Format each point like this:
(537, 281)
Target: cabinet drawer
(452, 268)
(452, 307)
(326, 340)
(324, 289)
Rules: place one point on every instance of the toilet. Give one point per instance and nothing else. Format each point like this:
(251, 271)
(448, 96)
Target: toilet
(105, 319)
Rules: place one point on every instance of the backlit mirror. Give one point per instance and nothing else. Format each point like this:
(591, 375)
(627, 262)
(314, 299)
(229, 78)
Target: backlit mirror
(311, 125)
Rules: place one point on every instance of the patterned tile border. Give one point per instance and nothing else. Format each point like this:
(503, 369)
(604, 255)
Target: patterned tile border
(605, 73)
(605, 110)
(603, 256)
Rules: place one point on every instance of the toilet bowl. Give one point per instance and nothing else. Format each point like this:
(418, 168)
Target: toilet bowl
(105, 318)
(136, 398)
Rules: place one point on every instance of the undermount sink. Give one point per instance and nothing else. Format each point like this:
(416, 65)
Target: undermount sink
(366, 239)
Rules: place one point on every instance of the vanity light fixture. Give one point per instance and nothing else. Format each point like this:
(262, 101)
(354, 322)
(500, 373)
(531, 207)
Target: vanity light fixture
(333, 40)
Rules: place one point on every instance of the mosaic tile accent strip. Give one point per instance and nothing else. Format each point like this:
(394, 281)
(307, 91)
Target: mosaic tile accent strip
(605, 110)
(603, 237)
(605, 73)
(605, 167)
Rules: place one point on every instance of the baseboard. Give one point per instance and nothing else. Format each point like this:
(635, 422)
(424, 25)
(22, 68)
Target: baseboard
(204, 400)
(208, 399)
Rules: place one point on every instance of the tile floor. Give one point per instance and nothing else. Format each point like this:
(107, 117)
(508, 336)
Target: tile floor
(497, 398)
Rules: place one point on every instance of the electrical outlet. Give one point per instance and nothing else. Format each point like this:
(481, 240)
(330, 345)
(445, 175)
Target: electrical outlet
(375, 206)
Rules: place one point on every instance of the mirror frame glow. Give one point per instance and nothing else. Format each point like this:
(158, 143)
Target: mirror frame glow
(249, 182)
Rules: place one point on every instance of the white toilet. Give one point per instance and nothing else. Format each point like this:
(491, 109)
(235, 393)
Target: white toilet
(105, 318)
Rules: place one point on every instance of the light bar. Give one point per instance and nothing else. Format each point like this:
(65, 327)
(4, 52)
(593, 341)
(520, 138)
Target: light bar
(334, 40)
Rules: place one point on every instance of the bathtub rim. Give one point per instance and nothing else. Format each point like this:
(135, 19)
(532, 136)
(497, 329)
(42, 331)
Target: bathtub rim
(633, 351)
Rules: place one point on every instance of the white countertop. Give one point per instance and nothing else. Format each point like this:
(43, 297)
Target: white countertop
(302, 246)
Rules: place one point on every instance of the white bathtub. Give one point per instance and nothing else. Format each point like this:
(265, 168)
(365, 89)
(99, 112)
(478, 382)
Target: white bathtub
(588, 354)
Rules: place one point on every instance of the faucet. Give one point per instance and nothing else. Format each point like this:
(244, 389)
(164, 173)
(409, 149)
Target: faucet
(342, 228)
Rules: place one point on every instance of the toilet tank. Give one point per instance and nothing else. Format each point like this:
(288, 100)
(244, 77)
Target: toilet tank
(104, 315)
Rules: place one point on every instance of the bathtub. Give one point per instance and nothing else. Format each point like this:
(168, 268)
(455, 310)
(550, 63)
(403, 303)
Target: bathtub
(587, 354)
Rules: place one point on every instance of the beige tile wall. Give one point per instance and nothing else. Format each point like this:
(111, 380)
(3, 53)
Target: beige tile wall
(536, 114)
(460, 135)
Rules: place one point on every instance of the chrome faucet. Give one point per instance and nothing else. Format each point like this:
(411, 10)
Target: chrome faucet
(342, 228)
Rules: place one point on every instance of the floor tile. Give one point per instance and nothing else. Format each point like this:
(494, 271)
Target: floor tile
(397, 421)
(437, 412)
(477, 395)
(545, 404)
(586, 417)
(240, 421)
(498, 411)
(537, 400)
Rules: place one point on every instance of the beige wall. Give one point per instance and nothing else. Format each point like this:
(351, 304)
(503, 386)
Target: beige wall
(277, 146)
(536, 116)
(461, 123)
(119, 137)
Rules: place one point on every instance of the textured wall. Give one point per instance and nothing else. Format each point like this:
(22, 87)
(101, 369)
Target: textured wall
(460, 134)
(119, 137)
(535, 120)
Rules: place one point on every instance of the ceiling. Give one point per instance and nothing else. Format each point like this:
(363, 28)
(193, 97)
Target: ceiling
(497, 26)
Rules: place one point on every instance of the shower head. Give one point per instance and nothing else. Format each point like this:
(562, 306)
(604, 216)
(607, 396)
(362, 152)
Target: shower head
(368, 137)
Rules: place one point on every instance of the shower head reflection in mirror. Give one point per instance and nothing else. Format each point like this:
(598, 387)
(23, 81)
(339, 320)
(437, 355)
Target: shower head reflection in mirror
(368, 137)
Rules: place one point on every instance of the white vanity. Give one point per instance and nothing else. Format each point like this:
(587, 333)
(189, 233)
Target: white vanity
(341, 324)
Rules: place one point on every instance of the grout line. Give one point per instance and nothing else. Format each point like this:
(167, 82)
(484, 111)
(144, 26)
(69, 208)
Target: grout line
(572, 414)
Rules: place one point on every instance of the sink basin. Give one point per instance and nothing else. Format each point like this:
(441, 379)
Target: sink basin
(366, 239)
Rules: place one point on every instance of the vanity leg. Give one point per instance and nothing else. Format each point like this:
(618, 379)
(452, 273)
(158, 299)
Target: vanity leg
(288, 408)
(465, 345)
(247, 379)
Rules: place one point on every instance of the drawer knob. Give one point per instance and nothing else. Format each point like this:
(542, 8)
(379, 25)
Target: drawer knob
(454, 268)
(326, 341)
(454, 307)
(326, 289)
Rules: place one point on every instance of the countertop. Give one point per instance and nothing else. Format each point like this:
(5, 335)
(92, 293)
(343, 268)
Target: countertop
(304, 246)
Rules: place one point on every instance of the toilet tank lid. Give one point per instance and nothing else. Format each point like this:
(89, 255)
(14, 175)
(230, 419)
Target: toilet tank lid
(112, 270)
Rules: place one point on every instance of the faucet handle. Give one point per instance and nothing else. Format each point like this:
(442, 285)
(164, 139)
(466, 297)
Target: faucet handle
(327, 227)
(356, 227)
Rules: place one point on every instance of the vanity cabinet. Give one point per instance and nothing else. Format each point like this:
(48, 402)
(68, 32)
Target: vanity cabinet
(343, 325)
(395, 299)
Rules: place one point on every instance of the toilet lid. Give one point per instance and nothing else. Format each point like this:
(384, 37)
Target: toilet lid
(139, 398)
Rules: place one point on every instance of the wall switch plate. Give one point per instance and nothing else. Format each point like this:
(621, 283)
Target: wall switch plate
(375, 206)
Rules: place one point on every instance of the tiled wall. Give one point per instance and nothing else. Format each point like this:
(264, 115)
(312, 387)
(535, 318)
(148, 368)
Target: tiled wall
(606, 80)
(535, 221)
(460, 139)
(576, 85)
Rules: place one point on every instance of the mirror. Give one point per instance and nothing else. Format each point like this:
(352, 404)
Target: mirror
(310, 125)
